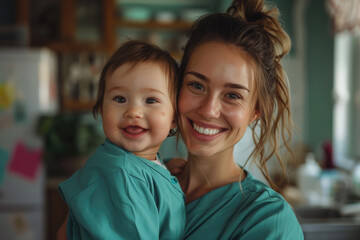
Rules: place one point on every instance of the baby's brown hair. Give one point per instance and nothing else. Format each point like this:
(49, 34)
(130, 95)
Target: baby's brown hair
(135, 52)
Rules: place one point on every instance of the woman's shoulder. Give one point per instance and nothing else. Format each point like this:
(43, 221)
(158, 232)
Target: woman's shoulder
(250, 209)
(254, 188)
(268, 208)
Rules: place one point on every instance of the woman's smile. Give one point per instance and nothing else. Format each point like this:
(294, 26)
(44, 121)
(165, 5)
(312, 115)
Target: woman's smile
(204, 131)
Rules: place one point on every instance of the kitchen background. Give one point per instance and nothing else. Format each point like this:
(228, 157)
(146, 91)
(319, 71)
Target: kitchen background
(51, 54)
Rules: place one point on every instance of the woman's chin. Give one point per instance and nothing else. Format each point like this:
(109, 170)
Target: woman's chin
(201, 152)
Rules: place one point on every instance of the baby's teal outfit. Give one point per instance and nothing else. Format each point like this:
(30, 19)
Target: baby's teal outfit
(118, 195)
(253, 212)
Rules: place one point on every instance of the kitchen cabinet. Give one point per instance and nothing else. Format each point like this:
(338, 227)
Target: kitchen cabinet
(58, 24)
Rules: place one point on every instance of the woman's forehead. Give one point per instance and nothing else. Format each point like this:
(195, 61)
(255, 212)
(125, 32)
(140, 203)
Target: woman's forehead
(222, 62)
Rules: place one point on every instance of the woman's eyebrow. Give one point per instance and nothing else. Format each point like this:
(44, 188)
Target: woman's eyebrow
(237, 86)
(229, 85)
(198, 75)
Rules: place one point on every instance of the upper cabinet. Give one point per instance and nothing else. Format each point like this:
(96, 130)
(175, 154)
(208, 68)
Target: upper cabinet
(72, 25)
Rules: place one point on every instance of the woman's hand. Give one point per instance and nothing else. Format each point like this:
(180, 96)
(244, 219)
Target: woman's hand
(176, 166)
(61, 233)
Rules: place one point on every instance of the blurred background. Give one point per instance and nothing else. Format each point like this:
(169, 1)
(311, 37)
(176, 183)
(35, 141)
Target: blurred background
(51, 55)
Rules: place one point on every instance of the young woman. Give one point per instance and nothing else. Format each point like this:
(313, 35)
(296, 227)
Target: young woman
(231, 78)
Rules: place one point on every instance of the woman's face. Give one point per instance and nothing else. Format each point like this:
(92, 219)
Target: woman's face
(217, 99)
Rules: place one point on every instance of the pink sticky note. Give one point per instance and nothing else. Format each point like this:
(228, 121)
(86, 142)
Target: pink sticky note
(25, 161)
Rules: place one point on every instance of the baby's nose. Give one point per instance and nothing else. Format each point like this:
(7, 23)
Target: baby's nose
(134, 112)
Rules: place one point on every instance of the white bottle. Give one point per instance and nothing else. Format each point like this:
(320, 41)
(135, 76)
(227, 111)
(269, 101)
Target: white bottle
(355, 179)
(308, 179)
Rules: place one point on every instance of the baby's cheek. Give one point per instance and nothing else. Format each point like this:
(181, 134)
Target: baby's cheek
(158, 117)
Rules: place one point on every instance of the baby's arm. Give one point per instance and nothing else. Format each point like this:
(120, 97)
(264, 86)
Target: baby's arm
(176, 165)
(118, 207)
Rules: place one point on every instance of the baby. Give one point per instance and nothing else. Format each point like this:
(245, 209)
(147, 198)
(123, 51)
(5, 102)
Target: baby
(124, 191)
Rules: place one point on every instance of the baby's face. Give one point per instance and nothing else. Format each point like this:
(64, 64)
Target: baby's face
(137, 112)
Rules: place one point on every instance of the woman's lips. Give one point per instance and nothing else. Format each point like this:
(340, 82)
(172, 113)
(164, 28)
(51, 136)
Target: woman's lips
(203, 129)
(206, 131)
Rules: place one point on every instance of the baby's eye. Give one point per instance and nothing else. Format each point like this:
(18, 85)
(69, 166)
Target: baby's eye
(233, 96)
(151, 100)
(197, 86)
(119, 99)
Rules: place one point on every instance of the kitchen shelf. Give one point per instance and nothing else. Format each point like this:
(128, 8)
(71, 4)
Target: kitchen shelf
(176, 26)
(78, 106)
(75, 47)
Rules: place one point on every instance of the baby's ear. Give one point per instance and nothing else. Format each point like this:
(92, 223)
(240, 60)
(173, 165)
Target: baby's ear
(173, 129)
(173, 124)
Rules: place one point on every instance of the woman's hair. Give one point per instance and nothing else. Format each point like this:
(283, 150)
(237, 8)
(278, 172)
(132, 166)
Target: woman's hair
(253, 28)
(135, 52)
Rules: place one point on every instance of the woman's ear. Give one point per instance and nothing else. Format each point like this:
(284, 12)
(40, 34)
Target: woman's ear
(255, 116)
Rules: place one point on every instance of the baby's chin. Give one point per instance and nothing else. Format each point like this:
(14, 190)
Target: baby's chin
(144, 152)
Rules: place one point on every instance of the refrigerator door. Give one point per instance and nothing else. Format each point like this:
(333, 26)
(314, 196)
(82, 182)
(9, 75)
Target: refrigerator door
(29, 79)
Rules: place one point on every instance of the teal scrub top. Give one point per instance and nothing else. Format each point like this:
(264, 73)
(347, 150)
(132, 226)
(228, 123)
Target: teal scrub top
(118, 195)
(253, 212)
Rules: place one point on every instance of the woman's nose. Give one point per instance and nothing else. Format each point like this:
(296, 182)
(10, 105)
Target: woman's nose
(210, 107)
(134, 111)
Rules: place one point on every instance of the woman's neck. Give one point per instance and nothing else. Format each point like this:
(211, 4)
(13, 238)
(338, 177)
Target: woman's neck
(202, 175)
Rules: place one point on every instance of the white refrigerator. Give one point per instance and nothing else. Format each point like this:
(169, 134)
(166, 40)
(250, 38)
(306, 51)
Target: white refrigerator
(28, 88)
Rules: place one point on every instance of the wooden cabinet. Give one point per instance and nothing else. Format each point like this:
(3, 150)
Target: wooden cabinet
(56, 24)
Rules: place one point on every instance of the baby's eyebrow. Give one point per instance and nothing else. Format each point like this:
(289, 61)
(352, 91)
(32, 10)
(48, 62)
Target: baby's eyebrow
(148, 90)
(117, 88)
(153, 90)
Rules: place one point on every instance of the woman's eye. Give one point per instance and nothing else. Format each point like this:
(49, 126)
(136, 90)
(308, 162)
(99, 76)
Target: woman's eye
(119, 99)
(151, 100)
(233, 96)
(197, 86)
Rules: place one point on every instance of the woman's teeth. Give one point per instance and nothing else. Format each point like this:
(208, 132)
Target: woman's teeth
(206, 131)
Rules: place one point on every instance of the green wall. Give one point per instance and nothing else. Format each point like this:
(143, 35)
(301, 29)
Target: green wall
(319, 64)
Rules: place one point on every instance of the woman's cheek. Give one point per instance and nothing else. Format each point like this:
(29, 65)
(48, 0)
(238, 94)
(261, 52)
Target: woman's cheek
(237, 117)
(183, 101)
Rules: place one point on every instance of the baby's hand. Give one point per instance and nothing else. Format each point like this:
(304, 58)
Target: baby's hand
(176, 166)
